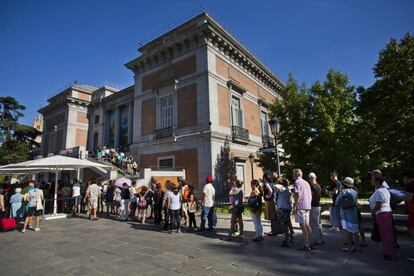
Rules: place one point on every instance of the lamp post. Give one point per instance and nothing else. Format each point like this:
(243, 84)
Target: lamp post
(251, 159)
(275, 129)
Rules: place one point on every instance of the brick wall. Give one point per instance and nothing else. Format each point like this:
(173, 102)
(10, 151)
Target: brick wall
(81, 117)
(81, 137)
(223, 106)
(167, 75)
(187, 105)
(230, 72)
(148, 116)
(252, 118)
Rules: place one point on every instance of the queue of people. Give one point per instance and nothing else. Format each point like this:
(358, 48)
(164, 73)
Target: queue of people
(119, 158)
(274, 197)
(278, 198)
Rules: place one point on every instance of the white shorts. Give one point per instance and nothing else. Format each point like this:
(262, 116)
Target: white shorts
(184, 205)
(302, 216)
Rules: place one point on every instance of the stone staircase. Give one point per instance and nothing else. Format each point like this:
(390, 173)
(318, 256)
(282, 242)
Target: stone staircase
(114, 173)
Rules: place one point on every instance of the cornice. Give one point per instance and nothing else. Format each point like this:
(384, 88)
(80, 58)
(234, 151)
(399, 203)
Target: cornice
(63, 104)
(209, 33)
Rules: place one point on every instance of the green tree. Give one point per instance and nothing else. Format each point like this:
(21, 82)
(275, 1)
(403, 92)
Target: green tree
(17, 139)
(317, 126)
(387, 109)
(294, 111)
(333, 121)
(225, 171)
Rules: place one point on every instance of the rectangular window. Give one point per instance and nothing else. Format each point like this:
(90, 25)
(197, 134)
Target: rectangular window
(166, 163)
(96, 119)
(265, 124)
(236, 112)
(166, 111)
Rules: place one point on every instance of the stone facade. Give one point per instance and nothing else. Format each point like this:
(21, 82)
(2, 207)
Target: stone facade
(65, 122)
(195, 88)
(187, 84)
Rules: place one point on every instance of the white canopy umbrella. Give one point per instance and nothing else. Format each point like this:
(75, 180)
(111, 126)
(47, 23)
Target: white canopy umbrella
(120, 182)
(54, 163)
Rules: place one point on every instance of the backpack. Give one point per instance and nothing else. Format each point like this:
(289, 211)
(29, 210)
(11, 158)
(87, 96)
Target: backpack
(142, 202)
(255, 202)
(347, 201)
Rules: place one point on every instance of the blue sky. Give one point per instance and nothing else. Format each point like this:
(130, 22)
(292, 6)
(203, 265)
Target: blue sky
(45, 45)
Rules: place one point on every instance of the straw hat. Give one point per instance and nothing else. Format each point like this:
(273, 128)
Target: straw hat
(349, 182)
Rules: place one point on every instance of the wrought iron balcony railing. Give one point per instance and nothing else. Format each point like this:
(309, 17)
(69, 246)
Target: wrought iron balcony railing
(240, 133)
(163, 133)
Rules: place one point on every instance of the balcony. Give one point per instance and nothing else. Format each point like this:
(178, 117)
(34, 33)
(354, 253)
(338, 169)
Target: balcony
(163, 133)
(240, 135)
(267, 141)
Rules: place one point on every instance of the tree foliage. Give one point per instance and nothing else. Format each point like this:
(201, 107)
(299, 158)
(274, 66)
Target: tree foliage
(225, 171)
(333, 125)
(387, 109)
(295, 127)
(316, 125)
(17, 139)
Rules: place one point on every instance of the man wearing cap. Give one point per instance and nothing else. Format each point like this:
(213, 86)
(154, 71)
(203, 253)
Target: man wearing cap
(315, 212)
(207, 202)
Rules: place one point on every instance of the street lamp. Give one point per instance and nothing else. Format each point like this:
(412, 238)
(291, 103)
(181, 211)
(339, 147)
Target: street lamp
(251, 159)
(275, 129)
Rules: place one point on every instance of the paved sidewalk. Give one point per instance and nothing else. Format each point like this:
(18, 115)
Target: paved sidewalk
(78, 246)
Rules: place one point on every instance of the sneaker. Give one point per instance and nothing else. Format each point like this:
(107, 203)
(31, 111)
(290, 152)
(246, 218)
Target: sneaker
(235, 234)
(30, 227)
(37, 229)
(23, 230)
(179, 231)
(337, 229)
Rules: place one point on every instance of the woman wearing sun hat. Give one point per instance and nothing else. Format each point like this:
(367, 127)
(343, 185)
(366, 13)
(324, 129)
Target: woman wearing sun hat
(347, 203)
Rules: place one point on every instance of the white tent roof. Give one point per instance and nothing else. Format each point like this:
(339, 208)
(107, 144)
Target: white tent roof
(55, 162)
(20, 171)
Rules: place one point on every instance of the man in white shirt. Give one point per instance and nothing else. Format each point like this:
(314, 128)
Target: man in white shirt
(76, 196)
(207, 200)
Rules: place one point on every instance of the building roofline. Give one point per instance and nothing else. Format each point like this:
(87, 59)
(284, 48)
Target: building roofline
(119, 93)
(213, 26)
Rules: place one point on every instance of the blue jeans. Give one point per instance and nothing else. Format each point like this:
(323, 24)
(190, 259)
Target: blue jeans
(257, 222)
(206, 214)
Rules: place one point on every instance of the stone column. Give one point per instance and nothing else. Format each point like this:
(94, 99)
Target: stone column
(117, 124)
